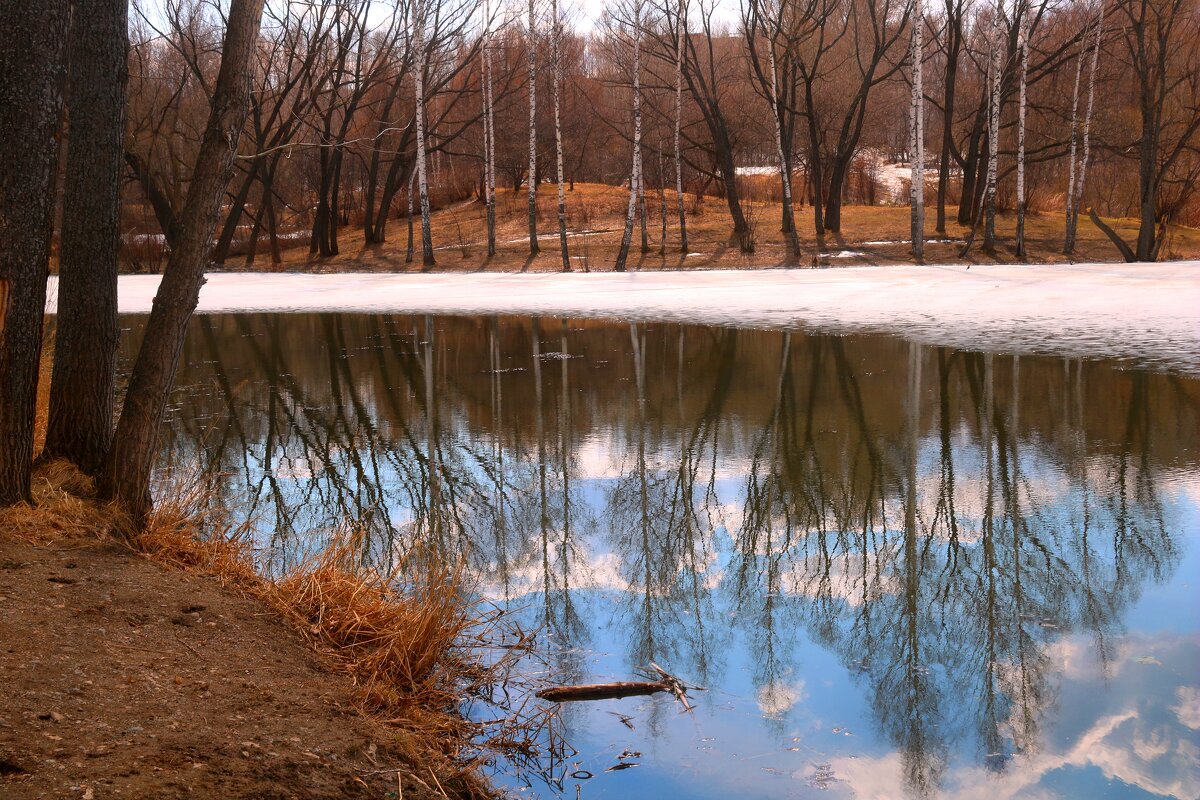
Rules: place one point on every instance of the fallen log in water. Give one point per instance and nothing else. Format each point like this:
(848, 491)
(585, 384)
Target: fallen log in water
(604, 691)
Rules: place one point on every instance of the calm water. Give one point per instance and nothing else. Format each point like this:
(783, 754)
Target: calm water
(899, 570)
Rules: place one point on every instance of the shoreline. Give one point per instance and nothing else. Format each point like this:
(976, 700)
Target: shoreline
(1145, 314)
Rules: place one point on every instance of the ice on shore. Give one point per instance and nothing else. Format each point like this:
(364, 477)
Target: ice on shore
(1146, 313)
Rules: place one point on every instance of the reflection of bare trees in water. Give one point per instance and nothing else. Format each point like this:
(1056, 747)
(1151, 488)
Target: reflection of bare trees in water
(936, 518)
(653, 512)
(945, 603)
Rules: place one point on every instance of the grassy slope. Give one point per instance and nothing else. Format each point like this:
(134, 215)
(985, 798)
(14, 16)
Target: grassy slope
(459, 238)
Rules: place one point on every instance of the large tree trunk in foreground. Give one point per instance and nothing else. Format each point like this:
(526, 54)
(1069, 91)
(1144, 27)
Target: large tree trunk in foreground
(85, 353)
(32, 40)
(126, 473)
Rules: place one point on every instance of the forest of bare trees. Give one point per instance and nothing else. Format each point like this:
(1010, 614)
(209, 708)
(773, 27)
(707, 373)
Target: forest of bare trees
(351, 97)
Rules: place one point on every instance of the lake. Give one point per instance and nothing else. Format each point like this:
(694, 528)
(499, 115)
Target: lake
(898, 570)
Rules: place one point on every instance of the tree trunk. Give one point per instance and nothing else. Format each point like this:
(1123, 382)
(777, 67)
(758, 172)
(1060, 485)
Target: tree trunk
(556, 57)
(954, 43)
(989, 228)
(1071, 169)
(85, 355)
(427, 259)
(489, 131)
(32, 42)
(680, 27)
(126, 472)
(634, 173)
(1023, 47)
(785, 170)
(533, 173)
(916, 137)
(1081, 180)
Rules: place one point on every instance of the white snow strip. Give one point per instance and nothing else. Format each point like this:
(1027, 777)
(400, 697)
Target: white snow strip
(1147, 313)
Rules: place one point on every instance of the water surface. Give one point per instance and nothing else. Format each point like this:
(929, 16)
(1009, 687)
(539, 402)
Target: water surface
(899, 570)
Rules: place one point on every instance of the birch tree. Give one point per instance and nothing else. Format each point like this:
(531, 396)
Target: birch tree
(775, 22)
(422, 56)
(996, 68)
(556, 57)
(489, 132)
(680, 29)
(1081, 168)
(531, 45)
(916, 136)
(1022, 80)
(635, 176)
(1072, 172)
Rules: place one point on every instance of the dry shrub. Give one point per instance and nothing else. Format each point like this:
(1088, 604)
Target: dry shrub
(63, 507)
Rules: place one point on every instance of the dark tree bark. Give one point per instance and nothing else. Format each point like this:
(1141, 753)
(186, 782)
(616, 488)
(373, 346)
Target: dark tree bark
(85, 353)
(32, 41)
(125, 476)
(156, 193)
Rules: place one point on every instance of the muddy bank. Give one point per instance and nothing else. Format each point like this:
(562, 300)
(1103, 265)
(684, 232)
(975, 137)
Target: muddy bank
(120, 678)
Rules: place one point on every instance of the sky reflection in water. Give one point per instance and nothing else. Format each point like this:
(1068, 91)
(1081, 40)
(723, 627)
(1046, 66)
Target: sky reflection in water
(900, 570)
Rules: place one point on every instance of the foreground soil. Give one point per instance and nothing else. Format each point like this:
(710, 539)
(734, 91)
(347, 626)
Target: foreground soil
(119, 678)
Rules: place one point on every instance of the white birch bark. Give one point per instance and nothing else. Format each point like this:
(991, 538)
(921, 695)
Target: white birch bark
(680, 28)
(419, 83)
(489, 132)
(556, 56)
(635, 177)
(532, 53)
(916, 135)
(1023, 47)
(1080, 181)
(1071, 160)
(785, 176)
(412, 184)
(989, 228)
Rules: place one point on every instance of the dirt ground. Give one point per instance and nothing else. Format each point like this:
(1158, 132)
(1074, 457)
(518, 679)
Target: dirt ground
(119, 678)
(871, 235)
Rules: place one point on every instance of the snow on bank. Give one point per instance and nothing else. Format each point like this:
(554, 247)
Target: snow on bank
(1148, 313)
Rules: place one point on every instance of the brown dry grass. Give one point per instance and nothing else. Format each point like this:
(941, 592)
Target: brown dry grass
(595, 217)
(407, 647)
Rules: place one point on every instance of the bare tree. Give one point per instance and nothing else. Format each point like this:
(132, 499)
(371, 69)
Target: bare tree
(635, 172)
(531, 45)
(126, 472)
(996, 71)
(680, 27)
(489, 131)
(32, 42)
(418, 25)
(916, 135)
(1022, 79)
(556, 57)
(1080, 178)
(784, 32)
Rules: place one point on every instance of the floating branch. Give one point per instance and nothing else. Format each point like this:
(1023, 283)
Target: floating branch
(607, 691)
